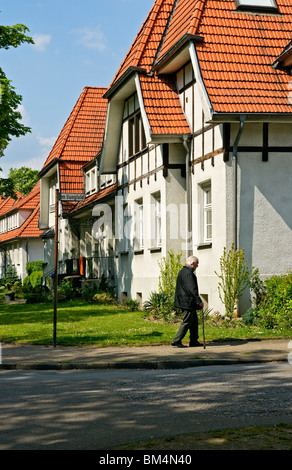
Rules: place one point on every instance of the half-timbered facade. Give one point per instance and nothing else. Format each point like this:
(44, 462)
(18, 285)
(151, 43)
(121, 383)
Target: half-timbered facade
(199, 132)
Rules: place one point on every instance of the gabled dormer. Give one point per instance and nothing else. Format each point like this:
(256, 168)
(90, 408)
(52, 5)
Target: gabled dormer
(284, 61)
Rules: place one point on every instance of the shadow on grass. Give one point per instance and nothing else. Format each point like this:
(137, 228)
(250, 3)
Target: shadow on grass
(75, 311)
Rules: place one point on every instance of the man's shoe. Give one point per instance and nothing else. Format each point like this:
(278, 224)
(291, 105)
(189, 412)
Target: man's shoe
(178, 345)
(195, 345)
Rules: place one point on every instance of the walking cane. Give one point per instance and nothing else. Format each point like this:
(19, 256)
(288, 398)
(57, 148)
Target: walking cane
(203, 328)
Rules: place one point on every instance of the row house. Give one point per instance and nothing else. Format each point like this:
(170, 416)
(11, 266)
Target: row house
(188, 150)
(20, 240)
(198, 131)
(70, 174)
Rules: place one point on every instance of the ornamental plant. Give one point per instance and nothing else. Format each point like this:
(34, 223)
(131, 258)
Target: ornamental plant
(233, 278)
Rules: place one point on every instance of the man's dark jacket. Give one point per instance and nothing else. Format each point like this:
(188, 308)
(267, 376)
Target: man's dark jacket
(187, 292)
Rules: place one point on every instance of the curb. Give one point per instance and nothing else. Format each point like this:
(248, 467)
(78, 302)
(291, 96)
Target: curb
(157, 365)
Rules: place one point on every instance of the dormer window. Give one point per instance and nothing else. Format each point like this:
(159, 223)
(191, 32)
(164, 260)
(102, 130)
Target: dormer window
(91, 181)
(133, 119)
(257, 5)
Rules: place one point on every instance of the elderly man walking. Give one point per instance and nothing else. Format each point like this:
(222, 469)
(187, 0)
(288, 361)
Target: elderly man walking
(188, 300)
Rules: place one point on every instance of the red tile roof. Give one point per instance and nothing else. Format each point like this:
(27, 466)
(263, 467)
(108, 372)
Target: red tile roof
(236, 53)
(30, 226)
(90, 200)
(82, 135)
(7, 204)
(79, 141)
(163, 106)
(144, 48)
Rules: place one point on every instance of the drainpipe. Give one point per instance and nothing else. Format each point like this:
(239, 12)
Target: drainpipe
(188, 194)
(235, 183)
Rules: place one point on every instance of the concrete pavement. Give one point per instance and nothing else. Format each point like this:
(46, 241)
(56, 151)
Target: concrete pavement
(26, 357)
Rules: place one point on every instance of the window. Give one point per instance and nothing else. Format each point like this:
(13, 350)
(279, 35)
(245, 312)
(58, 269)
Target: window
(206, 212)
(53, 186)
(157, 227)
(258, 5)
(91, 181)
(136, 133)
(185, 77)
(139, 221)
(12, 222)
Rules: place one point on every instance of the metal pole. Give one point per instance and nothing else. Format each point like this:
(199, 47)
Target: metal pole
(56, 267)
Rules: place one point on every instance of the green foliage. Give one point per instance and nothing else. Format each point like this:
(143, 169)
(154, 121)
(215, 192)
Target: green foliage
(234, 278)
(156, 303)
(33, 288)
(34, 266)
(24, 179)
(251, 317)
(169, 269)
(10, 117)
(11, 280)
(257, 287)
(36, 279)
(275, 309)
(66, 291)
(160, 304)
(103, 298)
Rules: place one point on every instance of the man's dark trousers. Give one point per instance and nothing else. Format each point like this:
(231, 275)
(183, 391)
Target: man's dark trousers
(190, 322)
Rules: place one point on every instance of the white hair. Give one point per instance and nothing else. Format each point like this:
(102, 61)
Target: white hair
(192, 259)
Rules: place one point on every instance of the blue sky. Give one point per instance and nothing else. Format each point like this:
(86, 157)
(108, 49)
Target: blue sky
(77, 44)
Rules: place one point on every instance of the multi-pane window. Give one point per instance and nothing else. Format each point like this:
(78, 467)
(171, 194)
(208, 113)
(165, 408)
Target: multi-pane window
(91, 181)
(139, 214)
(3, 225)
(136, 133)
(185, 77)
(157, 232)
(12, 221)
(207, 213)
(53, 186)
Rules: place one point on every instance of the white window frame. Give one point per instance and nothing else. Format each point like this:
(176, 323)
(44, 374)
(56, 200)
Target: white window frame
(157, 220)
(91, 181)
(206, 212)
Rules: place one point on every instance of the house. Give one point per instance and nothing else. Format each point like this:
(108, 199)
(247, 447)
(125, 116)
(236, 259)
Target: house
(188, 150)
(71, 169)
(199, 133)
(20, 240)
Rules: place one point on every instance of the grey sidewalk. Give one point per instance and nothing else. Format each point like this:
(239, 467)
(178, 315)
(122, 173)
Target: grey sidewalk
(145, 357)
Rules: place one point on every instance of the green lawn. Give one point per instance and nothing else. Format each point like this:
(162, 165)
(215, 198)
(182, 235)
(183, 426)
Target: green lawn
(80, 323)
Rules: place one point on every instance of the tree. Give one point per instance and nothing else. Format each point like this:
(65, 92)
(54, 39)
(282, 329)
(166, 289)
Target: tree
(24, 179)
(10, 36)
(234, 278)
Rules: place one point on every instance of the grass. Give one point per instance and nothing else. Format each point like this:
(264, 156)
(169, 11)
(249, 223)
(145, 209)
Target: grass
(80, 323)
(278, 437)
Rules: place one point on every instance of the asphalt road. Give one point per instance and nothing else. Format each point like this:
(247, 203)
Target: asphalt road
(98, 410)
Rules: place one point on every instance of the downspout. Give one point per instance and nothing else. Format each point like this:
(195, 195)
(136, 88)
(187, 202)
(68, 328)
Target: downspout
(188, 194)
(235, 177)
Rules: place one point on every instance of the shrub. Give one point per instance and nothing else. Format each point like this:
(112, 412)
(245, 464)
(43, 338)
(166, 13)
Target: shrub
(32, 266)
(234, 278)
(11, 277)
(103, 298)
(275, 310)
(36, 279)
(65, 290)
(251, 317)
